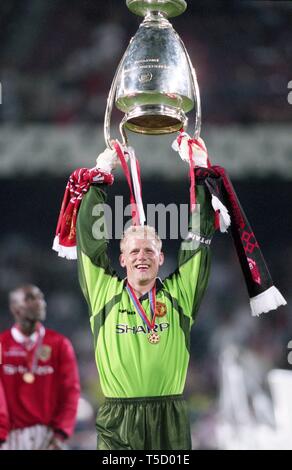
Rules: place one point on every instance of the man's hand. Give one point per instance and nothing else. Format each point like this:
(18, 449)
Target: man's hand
(57, 442)
(107, 161)
(1, 442)
(184, 144)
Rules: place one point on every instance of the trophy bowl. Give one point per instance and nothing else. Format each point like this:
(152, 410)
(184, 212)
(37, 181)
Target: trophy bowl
(155, 84)
(154, 87)
(169, 8)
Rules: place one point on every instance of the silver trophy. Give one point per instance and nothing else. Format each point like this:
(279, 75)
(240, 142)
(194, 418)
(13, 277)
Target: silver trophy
(155, 84)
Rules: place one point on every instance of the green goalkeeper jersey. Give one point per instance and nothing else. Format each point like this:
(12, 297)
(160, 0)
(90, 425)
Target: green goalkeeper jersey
(128, 365)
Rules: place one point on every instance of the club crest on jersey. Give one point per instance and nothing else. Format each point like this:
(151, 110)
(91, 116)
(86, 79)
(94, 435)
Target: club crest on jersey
(160, 309)
(45, 352)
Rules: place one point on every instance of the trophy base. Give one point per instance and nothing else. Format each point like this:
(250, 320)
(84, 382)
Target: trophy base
(155, 120)
(169, 8)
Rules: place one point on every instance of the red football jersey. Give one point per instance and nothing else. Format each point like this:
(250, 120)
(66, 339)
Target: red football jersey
(39, 382)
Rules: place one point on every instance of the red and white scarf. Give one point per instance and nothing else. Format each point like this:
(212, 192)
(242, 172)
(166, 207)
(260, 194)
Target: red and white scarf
(78, 184)
(264, 296)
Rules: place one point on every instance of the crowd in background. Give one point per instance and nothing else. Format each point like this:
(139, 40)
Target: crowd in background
(57, 59)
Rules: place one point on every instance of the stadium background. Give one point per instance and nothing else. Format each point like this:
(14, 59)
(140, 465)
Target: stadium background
(57, 61)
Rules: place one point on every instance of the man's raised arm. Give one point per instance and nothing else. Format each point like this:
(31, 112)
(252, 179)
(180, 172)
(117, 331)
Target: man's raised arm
(95, 273)
(188, 283)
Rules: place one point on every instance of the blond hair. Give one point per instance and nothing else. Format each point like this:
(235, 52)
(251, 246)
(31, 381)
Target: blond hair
(143, 232)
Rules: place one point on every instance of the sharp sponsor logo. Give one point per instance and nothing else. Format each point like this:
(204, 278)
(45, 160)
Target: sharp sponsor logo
(122, 328)
(15, 353)
(10, 369)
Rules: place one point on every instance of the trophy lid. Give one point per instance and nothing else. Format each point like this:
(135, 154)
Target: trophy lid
(169, 8)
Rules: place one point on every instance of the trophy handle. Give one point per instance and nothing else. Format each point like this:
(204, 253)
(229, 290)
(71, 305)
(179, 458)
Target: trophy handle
(198, 121)
(123, 131)
(109, 108)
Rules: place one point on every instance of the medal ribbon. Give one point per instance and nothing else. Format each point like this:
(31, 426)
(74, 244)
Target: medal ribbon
(32, 362)
(35, 355)
(140, 309)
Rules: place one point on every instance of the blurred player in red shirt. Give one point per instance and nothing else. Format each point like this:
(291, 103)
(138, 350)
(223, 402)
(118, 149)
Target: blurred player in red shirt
(39, 382)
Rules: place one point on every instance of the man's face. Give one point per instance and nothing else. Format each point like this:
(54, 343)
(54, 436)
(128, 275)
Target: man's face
(141, 258)
(28, 305)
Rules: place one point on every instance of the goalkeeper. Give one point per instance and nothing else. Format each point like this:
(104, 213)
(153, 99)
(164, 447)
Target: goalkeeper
(141, 325)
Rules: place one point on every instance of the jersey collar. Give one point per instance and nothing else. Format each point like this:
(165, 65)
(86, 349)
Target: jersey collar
(21, 338)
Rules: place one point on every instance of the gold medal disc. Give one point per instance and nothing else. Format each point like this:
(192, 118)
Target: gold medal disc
(153, 337)
(28, 377)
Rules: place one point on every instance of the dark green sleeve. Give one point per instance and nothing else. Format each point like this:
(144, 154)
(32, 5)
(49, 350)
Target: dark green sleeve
(97, 279)
(188, 283)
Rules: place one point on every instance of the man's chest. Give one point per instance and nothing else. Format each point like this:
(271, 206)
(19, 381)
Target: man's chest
(17, 359)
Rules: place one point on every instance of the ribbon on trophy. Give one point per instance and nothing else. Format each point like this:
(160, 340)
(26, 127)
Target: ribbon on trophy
(133, 178)
(194, 152)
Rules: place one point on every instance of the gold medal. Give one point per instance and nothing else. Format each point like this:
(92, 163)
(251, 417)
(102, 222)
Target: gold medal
(153, 337)
(28, 377)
